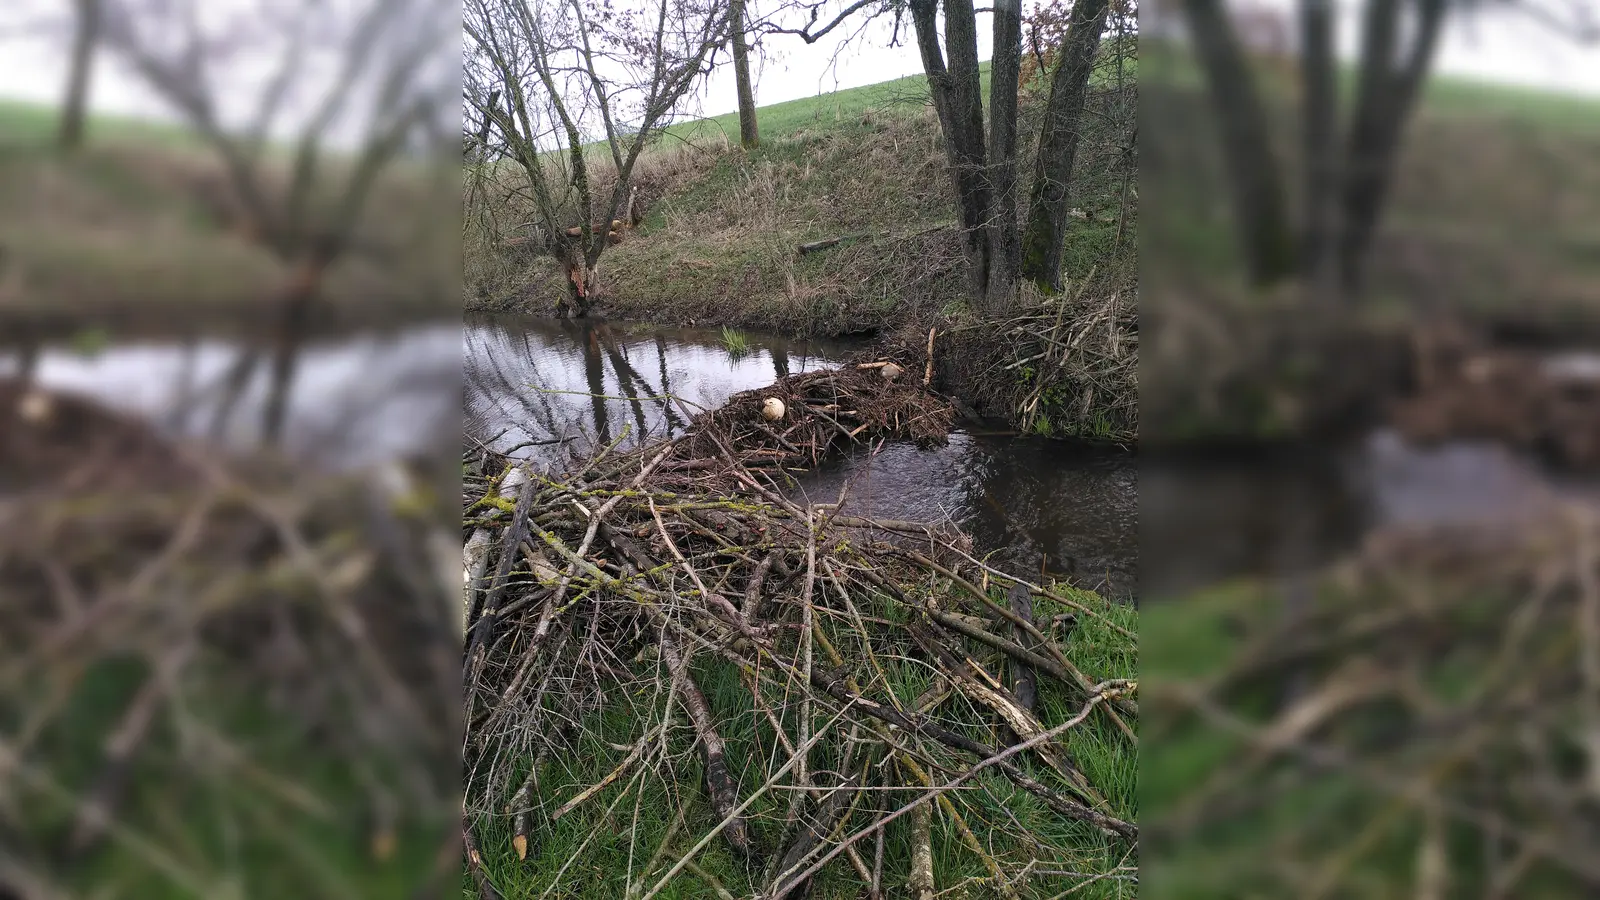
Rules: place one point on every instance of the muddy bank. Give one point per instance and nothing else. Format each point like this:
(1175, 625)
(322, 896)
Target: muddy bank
(1285, 373)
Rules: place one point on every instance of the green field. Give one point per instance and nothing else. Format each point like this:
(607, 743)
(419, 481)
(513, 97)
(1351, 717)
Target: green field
(128, 229)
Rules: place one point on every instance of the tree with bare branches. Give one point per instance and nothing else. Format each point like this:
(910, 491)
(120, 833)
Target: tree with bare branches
(349, 86)
(1346, 177)
(85, 39)
(348, 89)
(586, 89)
(982, 157)
(749, 133)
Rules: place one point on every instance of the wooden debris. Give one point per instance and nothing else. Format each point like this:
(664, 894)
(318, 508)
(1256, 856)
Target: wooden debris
(684, 557)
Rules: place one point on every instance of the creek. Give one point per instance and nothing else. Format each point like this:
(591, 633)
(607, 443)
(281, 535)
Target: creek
(542, 389)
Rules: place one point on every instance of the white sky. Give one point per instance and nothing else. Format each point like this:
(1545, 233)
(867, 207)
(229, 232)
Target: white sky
(1503, 47)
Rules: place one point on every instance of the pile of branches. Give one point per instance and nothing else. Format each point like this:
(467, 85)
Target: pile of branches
(1540, 403)
(671, 674)
(1065, 365)
(1443, 695)
(823, 412)
(184, 637)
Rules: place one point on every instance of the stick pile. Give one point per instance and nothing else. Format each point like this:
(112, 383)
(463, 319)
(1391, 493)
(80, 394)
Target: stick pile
(820, 680)
(823, 412)
(1439, 693)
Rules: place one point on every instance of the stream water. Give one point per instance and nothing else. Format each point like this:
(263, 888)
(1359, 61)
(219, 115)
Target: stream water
(542, 388)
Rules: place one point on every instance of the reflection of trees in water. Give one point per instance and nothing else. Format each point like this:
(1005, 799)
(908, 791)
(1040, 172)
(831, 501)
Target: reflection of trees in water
(591, 377)
(520, 377)
(491, 350)
(594, 372)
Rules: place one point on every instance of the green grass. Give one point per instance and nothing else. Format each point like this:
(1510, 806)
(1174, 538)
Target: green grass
(1222, 821)
(832, 108)
(185, 829)
(825, 110)
(32, 125)
(734, 341)
(126, 227)
(597, 849)
(1453, 96)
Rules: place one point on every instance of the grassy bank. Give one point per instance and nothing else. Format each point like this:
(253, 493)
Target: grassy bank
(722, 230)
(1491, 223)
(1419, 728)
(134, 227)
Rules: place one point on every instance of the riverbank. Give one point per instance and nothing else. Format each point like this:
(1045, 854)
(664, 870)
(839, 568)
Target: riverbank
(139, 225)
(841, 224)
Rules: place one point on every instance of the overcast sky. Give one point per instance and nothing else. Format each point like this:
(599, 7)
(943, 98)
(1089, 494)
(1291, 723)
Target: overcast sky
(1501, 46)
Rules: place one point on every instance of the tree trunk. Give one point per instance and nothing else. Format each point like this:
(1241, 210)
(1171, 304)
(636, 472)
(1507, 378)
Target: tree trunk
(1386, 97)
(749, 136)
(1321, 105)
(1058, 145)
(1253, 174)
(74, 107)
(305, 284)
(956, 99)
(1004, 75)
(484, 127)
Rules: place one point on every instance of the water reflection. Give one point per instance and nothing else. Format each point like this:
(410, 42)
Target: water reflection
(545, 388)
(536, 387)
(1207, 518)
(329, 400)
(1069, 511)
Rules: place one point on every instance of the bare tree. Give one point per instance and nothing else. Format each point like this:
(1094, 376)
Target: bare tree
(1048, 209)
(1254, 176)
(749, 134)
(573, 77)
(1346, 179)
(1005, 78)
(349, 86)
(983, 173)
(74, 106)
(1320, 125)
(959, 105)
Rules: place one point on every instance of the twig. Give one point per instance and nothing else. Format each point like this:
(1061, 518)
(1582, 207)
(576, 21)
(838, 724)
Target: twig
(1106, 691)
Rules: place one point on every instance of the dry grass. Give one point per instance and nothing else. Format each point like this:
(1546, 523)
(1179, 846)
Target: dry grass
(129, 225)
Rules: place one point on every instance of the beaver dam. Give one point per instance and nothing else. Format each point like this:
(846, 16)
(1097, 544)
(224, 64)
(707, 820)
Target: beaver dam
(680, 680)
